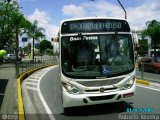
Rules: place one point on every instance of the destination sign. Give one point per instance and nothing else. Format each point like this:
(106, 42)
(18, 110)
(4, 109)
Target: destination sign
(98, 25)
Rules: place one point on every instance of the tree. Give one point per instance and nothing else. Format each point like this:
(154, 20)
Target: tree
(7, 11)
(153, 30)
(143, 47)
(35, 33)
(44, 45)
(11, 22)
(27, 48)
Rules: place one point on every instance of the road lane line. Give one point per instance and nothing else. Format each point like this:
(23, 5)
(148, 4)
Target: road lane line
(43, 100)
(46, 106)
(148, 87)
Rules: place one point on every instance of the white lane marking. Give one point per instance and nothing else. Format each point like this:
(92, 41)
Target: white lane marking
(43, 100)
(148, 87)
(36, 75)
(31, 83)
(33, 79)
(46, 106)
(32, 88)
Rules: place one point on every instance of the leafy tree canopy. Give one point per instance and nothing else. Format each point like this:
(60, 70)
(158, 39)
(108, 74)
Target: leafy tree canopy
(153, 30)
(11, 19)
(35, 33)
(44, 45)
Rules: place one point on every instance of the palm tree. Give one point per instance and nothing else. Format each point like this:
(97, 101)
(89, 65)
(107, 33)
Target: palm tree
(153, 30)
(35, 33)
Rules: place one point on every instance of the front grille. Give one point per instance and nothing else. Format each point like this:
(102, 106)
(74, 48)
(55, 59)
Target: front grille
(97, 98)
(97, 90)
(98, 83)
(92, 90)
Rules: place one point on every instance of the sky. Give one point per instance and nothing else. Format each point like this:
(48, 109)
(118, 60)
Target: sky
(50, 13)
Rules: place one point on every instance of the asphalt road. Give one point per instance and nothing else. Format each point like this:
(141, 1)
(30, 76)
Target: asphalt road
(38, 103)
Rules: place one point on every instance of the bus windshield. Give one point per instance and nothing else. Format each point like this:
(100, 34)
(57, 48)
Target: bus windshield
(99, 55)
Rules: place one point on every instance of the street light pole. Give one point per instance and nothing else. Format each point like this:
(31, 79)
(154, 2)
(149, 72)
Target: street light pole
(121, 6)
(33, 49)
(17, 50)
(123, 9)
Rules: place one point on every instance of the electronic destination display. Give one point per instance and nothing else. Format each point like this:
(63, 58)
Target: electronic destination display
(95, 25)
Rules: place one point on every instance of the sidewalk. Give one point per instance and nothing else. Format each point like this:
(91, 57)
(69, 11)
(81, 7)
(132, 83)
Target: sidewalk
(8, 93)
(148, 76)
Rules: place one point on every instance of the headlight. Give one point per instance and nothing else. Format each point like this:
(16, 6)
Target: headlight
(71, 88)
(128, 84)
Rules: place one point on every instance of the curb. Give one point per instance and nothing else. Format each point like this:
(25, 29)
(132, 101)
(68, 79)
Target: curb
(140, 81)
(21, 114)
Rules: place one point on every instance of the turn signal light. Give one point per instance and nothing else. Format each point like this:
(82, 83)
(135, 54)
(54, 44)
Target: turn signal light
(128, 95)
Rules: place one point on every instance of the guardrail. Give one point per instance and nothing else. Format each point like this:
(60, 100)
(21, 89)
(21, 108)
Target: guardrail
(29, 64)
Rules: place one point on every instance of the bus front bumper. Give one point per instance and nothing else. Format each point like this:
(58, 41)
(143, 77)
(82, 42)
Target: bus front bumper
(71, 100)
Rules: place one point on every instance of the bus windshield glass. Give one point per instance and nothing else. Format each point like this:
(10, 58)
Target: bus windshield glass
(97, 55)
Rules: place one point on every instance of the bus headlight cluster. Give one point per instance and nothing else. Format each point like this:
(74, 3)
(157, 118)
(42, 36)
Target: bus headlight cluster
(129, 84)
(71, 88)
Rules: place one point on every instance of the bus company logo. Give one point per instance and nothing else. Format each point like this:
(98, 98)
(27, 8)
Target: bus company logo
(101, 89)
(4, 117)
(84, 38)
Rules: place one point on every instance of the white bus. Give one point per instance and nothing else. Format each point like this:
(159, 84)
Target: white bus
(97, 62)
